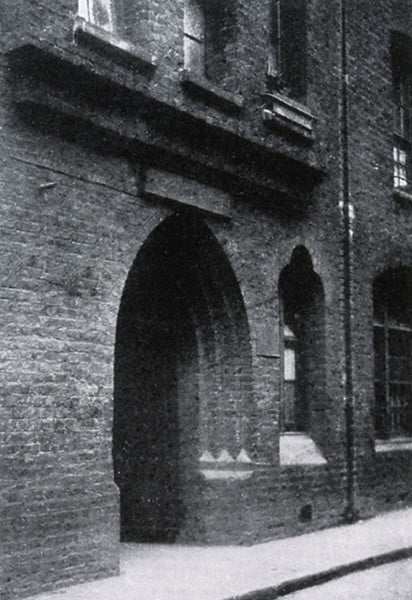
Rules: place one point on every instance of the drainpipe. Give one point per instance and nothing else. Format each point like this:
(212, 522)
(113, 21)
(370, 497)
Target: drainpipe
(351, 513)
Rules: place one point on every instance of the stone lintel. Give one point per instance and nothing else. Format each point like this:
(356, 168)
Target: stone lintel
(176, 188)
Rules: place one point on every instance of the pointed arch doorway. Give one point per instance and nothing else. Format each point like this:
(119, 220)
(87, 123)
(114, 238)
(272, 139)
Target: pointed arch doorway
(182, 353)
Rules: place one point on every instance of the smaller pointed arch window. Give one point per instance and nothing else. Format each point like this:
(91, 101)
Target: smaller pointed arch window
(302, 333)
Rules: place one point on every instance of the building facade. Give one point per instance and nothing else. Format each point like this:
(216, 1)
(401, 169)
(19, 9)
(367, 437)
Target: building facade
(206, 288)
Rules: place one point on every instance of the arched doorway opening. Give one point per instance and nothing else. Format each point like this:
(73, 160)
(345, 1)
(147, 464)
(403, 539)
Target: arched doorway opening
(182, 379)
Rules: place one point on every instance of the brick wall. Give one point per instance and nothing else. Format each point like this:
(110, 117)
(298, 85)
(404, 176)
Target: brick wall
(82, 297)
(382, 227)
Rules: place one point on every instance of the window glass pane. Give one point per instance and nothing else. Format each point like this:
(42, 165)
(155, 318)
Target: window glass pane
(274, 66)
(404, 102)
(288, 333)
(379, 347)
(289, 407)
(194, 55)
(400, 361)
(293, 42)
(399, 304)
(380, 408)
(399, 343)
(400, 163)
(84, 9)
(98, 12)
(194, 20)
(400, 400)
(289, 364)
(194, 37)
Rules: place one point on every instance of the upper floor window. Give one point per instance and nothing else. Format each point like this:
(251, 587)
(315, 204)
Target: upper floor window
(195, 37)
(392, 308)
(402, 112)
(207, 30)
(402, 175)
(287, 47)
(98, 12)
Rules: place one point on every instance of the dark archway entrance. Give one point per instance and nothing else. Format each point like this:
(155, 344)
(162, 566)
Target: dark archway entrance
(181, 355)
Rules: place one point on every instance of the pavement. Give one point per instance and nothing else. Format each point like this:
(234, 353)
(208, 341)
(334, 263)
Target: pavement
(260, 572)
(387, 582)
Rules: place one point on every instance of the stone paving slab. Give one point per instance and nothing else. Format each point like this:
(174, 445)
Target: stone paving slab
(174, 572)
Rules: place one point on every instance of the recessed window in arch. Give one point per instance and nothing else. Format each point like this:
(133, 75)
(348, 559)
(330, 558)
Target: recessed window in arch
(302, 334)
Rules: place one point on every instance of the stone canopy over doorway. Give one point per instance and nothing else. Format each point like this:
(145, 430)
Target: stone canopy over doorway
(183, 383)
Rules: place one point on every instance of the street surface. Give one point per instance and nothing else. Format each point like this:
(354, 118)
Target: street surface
(389, 582)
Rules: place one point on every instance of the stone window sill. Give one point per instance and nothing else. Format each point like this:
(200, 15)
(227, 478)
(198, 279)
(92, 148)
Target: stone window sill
(211, 92)
(92, 36)
(285, 114)
(403, 196)
(393, 445)
(298, 449)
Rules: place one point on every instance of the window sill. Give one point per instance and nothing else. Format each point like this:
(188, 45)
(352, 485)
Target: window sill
(402, 196)
(286, 114)
(393, 445)
(92, 36)
(211, 92)
(299, 449)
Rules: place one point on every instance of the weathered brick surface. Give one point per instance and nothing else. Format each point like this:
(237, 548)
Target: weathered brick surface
(382, 227)
(77, 135)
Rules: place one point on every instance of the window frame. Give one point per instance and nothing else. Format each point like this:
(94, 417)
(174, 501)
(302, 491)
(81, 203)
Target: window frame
(194, 38)
(274, 68)
(207, 31)
(402, 112)
(291, 398)
(287, 52)
(87, 11)
(392, 414)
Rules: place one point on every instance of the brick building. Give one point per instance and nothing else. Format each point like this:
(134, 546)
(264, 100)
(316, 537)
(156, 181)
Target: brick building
(206, 282)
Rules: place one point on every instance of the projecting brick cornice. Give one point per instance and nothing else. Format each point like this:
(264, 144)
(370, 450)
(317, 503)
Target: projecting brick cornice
(81, 93)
